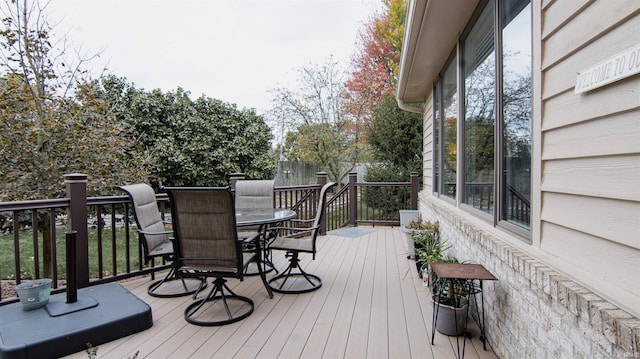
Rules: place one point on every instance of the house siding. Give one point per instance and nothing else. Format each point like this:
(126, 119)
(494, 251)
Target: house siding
(590, 150)
(574, 290)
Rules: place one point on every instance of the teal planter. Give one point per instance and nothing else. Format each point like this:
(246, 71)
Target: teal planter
(34, 294)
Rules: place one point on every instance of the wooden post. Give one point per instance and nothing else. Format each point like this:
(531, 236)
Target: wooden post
(234, 177)
(72, 288)
(76, 184)
(414, 190)
(353, 199)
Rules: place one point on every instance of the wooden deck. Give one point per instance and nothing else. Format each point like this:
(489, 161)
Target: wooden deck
(371, 305)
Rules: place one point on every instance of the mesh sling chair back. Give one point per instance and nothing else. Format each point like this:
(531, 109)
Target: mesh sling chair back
(206, 245)
(299, 240)
(156, 241)
(256, 194)
(253, 194)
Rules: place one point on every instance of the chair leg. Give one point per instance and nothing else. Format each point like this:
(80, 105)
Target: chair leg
(225, 296)
(294, 263)
(189, 286)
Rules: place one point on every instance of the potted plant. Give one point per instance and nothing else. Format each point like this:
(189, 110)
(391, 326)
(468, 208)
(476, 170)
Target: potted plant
(34, 294)
(416, 227)
(428, 248)
(450, 295)
(406, 216)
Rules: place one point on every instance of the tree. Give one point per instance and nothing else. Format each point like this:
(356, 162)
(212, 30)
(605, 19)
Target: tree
(52, 121)
(185, 142)
(395, 137)
(314, 114)
(376, 64)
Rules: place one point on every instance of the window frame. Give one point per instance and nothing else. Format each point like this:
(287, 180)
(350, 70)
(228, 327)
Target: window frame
(452, 59)
(487, 216)
(497, 215)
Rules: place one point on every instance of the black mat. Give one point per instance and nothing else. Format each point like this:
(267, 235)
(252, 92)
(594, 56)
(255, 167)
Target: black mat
(37, 334)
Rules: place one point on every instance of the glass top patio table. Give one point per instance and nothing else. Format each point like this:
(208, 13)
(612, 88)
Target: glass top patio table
(260, 216)
(263, 217)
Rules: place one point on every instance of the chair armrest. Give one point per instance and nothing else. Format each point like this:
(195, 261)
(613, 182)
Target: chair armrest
(299, 229)
(301, 220)
(251, 244)
(250, 239)
(147, 232)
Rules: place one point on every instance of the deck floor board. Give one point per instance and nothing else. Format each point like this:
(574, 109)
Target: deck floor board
(371, 305)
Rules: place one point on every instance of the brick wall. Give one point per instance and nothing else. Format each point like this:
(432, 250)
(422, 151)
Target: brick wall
(533, 311)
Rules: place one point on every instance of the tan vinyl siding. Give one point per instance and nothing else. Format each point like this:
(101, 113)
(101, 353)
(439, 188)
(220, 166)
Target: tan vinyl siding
(577, 275)
(608, 218)
(610, 267)
(607, 177)
(558, 13)
(564, 73)
(568, 109)
(590, 148)
(579, 29)
(611, 135)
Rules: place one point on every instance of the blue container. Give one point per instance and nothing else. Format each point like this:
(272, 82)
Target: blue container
(34, 294)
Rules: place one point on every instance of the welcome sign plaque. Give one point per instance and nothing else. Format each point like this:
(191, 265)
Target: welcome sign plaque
(617, 67)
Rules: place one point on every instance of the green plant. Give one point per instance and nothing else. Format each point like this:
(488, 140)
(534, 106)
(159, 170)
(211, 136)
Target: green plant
(450, 291)
(423, 225)
(92, 352)
(429, 248)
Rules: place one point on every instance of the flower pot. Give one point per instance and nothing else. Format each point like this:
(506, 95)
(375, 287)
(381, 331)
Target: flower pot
(451, 320)
(407, 216)
(409, 244)
(34, 294)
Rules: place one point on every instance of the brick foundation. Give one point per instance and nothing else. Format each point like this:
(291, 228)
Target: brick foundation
(533, 311)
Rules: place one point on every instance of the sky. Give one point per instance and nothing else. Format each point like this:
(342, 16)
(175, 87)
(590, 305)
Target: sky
(231, 50)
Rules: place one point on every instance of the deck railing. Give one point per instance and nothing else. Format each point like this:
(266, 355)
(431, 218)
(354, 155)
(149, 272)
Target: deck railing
(32, 233)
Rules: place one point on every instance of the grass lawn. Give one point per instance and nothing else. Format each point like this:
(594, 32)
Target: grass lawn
(112, 241)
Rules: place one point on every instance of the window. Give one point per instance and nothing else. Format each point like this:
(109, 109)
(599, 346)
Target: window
(516, 112)
(495, 117)
(436, 137)
(479, 71)
(450, 129)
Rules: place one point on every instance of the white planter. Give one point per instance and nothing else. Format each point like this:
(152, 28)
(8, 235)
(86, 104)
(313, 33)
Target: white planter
(406, 216)
(409, 244)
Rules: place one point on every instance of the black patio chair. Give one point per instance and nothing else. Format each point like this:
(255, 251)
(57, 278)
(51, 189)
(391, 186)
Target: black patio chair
(156, 242)
(206, 245)
(256, 194)
(253, 194)
(299, 240)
